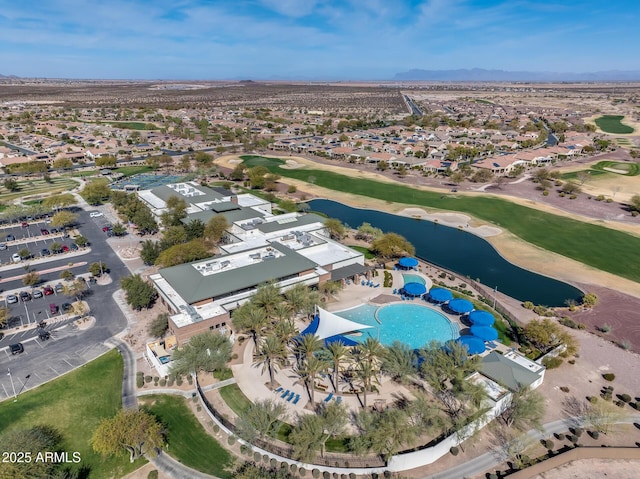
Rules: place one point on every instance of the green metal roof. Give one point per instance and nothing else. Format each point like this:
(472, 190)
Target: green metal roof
(506, 372)
(288, 223)
(192, 286)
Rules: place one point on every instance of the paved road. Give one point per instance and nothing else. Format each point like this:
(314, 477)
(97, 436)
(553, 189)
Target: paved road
(68, 348)
(491, 460)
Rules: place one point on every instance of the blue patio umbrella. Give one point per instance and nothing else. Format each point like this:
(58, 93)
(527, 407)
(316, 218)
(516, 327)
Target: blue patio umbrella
(486, 333)
(481, 318)
(460, 306)
(440, 295)
(414, 289)
(408, 262)
(474, 345)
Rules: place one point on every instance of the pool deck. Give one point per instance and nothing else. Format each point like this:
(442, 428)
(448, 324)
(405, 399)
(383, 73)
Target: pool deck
(255, 384)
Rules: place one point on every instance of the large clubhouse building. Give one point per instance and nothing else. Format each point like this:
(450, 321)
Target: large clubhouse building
(259, 247)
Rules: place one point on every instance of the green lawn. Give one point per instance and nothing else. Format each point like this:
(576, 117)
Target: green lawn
(631, 169)
(368, 254)
(134, 170)
(235, 398)
(37, 187)
(187, 441)
(583, 242)
(73, 405)
(573, 175)
(613, 124)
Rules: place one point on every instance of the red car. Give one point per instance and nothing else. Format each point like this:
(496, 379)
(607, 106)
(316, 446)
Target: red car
(65, 248)
(106, 228)
(44, 231)
(48, 290)
(25, 224)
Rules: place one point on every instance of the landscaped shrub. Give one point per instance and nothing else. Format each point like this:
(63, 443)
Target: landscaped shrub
(302, 472)
(190, 380)
(608, 376)
(545, 192)
(619, 403)
(163, 382)
(179, 381)
(551, 363)
(454, 450)
(148, 379)
(139, 380)
(549, 444)
(564, 389)
(577, 431)
(315, 473)
(625, 397)
(256, 457)
(326, 475)
(231, 440)
(592, 399)
(273, 463)
(293, 468)
(528, 305)
(594, 434)
(559, 436)
(153, 474)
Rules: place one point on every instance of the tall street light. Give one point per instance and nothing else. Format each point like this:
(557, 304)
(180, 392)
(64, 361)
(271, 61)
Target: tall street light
(15, 396)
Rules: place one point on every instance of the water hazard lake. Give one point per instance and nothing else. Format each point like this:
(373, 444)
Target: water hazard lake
(457, 250)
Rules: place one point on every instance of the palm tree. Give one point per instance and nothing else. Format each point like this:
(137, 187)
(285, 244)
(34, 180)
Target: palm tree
(367, 373)
(336, 352)
(267, 296)
(307, 345)
(296, 297)
(286, 331)
(308, 372)
(249, 317)
(282, 312)
(271, 356)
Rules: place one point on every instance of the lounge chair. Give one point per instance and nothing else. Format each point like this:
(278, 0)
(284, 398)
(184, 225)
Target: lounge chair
(295, 401)
(329, 397)
(291, 396)
(284, 393)
(278, 390)
(377, 285)
(395, 291)
(339, 399)
(362, 282)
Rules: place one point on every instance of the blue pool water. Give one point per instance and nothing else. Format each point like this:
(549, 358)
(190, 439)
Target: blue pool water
(412, 324)
(413, 278)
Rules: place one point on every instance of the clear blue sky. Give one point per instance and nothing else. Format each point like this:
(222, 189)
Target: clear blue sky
(312, 39)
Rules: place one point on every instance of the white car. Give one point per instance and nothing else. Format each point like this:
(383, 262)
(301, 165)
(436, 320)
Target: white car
(95, 214)
(16, 258)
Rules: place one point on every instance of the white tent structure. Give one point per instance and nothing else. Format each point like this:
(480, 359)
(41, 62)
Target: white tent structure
(328, 324)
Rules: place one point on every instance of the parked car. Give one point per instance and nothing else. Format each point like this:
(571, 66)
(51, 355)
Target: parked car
(53, 231)
(16, 348)
(43, 335)
(11, 238)
(66, 307)
(44, 231)
(36, 293)
(53, 308)
(3, 246)
(73, 247)
(25, 224)
(59, 288)
(106, 228)
(95, 214)
(65, 248)
(45, 252)
(15, 257)
(12, 299)
(48, 290)
(24, 296)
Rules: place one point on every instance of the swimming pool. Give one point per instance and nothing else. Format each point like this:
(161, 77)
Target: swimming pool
(412, 324)
(413, 278)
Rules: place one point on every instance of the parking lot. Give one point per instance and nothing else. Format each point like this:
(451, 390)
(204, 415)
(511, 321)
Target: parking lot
(38, 237)
(69, 346)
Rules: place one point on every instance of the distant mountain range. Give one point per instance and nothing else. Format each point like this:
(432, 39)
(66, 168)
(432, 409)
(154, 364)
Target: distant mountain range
(482, 75)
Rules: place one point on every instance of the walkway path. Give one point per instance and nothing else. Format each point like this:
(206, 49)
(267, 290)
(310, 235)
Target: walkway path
(491, 460)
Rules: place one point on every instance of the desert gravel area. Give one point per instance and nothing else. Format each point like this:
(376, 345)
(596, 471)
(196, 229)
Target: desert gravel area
(593, 469)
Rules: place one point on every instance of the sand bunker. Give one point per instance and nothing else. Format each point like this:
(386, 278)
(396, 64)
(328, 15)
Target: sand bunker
(291, 165)
(455, 220)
